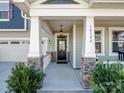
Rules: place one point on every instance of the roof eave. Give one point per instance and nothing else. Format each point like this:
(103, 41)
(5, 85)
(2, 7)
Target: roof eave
(24, 5)
(93, 3)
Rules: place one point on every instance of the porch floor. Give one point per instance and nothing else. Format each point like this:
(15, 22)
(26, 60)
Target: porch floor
(61, 77)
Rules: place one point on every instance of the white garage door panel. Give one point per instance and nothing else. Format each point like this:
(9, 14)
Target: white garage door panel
(13, 52)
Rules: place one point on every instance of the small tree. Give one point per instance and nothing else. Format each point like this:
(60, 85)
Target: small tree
(24, 79)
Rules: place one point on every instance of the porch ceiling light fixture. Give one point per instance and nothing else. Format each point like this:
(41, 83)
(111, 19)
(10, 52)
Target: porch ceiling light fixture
(61, 31)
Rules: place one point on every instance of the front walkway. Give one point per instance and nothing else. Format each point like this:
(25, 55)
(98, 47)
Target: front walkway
(61, 77)
(5, 70)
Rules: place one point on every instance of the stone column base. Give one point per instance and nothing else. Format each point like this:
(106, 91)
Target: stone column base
(87, 65)
(38, 61)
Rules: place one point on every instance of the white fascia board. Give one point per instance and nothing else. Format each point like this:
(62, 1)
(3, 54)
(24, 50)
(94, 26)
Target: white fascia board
(77, 12)
(92, 2)
(107, 1)
(22, 1)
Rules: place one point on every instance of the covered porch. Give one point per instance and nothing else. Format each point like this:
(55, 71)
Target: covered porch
(88, 38)
(91, 34)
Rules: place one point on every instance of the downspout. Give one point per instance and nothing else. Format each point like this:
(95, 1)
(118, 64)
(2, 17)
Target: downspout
(28, 18)
(24, 15)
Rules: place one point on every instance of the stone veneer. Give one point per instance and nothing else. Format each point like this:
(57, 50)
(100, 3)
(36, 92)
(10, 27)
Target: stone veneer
(53, 56)
(38, 61)
(87, 65)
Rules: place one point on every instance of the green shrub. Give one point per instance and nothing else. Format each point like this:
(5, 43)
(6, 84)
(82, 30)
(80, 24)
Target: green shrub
(108, 78)
(24, 79)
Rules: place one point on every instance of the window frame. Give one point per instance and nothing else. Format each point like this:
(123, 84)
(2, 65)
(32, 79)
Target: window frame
(111, 30)
(102, 29)
(7, 19)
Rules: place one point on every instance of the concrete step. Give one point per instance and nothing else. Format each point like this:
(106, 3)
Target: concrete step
(66, 91)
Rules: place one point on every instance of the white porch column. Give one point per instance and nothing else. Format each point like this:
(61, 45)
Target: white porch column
(88, 51)
(34, 55)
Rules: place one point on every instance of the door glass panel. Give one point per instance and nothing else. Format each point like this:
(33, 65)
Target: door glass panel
(61, 45)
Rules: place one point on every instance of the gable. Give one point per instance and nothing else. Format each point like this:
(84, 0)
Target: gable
(60, 2)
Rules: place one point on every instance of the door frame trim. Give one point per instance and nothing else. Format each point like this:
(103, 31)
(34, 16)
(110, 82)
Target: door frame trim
(56, 43)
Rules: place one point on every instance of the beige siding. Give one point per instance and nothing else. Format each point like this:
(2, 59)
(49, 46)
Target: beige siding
(79, 37)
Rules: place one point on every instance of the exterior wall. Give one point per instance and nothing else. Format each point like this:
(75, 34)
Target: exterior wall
(13, 27)
(17, 22)
(79, 37)
(106, 25)
(47, 33)
(18, 34)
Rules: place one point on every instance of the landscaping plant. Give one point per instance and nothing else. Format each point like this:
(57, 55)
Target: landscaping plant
(108, 78)
(25, 79)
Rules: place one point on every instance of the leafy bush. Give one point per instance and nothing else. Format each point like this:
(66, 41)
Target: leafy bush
(25, 79)
(108, 78)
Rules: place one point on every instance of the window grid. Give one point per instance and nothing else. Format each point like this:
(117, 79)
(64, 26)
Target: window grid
(2, 15)
(98, 42)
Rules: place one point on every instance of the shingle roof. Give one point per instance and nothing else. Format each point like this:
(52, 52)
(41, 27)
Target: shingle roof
(60, 2)
(31, 1)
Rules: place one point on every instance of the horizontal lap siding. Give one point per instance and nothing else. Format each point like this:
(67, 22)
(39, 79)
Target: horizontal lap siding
(17, 22)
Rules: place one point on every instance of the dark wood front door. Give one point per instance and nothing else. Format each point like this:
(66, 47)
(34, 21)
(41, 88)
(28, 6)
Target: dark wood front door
(61, 49)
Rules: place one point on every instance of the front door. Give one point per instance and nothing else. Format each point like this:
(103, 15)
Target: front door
(61, 49)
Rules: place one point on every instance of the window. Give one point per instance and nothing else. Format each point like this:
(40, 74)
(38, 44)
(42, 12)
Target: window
(25, 42)
(3, 42)
(99, 40)
(15, 42)
(4, 10)
(116, 40)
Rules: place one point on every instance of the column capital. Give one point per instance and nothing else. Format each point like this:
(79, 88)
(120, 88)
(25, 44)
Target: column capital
(89, 16)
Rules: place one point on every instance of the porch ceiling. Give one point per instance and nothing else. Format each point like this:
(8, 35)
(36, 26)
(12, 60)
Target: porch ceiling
(55, 22)
(67, 25)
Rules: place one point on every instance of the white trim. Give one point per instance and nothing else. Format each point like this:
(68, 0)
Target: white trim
(102, 29)
(25, 25)
(107, 1)
(111, 29)
(14, 38)
(66, 34)
(74, 45)
(7, 19)
(76, 12)
(4, 19)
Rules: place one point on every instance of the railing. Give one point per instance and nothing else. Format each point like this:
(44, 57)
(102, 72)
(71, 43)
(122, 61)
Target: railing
(121, 55)
(46, 61)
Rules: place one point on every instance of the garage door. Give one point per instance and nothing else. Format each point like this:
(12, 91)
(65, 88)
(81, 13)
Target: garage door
(14, 51)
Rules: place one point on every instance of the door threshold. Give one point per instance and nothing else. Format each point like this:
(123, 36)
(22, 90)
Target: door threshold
(62, 62)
